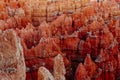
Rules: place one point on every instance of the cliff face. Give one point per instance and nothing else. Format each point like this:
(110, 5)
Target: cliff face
(12, 65)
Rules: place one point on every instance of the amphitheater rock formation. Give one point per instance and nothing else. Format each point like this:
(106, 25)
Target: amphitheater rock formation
(59, 39)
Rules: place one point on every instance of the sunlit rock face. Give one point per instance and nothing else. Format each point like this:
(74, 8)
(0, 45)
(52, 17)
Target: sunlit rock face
(59, 68)
(44, 74)
(12, 65)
